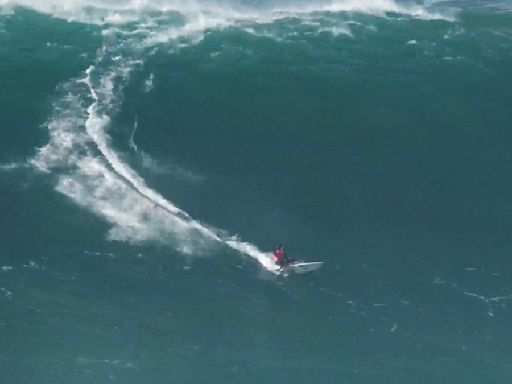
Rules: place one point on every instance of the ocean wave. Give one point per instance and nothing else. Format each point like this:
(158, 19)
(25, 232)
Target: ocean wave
(80, 151)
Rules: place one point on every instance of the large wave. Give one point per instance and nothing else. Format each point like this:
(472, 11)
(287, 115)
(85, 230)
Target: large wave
(89, 171)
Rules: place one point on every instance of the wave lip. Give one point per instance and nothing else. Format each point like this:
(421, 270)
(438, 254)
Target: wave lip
(213, 14)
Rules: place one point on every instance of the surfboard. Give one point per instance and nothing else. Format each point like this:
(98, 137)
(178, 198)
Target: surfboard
(303, 266)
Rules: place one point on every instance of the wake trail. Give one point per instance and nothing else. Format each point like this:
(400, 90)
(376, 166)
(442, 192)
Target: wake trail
(108, 186)
(95, 127)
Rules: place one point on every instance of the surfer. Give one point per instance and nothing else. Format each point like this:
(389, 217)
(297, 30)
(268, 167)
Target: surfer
(280, 258)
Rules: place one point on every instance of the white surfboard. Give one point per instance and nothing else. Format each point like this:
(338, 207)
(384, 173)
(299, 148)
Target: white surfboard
(303, 266)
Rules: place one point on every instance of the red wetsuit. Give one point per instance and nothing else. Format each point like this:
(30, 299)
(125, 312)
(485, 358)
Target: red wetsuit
(279, 257)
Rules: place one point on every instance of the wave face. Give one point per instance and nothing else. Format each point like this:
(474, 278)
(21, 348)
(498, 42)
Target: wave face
(153, 152)
(95, 175)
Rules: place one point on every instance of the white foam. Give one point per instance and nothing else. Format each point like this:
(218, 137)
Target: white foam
(32, 265)
(104, 184)
(489, 300)
(6, 292)
(337, 30)
(148, 84)
(93, 175)
(500, 298)
(67, 139)
(117, 363)
(11, 166)
(377, 7)
(209, 13)
(264, 258)
(131, 141)
(160, 218)
(159, 167)
(95, 127)
(134, 218)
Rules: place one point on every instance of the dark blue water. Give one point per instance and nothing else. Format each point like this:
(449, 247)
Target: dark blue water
(152, 156)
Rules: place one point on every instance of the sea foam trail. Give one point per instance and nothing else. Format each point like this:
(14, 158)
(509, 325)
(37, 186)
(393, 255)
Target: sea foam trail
(91, 173)
(95, 128)
(264, 258)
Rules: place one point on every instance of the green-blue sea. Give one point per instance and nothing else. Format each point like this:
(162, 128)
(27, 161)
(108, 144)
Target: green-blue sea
(153, 153)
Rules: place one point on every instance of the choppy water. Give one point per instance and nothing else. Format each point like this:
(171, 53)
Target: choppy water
(154, 152)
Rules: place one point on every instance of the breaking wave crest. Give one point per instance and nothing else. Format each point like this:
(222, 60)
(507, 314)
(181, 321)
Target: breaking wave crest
(203, 13)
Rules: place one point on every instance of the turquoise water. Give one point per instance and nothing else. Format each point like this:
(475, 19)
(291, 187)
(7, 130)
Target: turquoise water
(154, 153)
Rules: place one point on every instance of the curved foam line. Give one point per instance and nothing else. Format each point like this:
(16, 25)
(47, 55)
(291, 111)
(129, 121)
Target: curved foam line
(94, 126)
(264, 258)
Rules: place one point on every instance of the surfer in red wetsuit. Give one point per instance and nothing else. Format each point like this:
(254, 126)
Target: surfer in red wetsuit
(279, 256)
